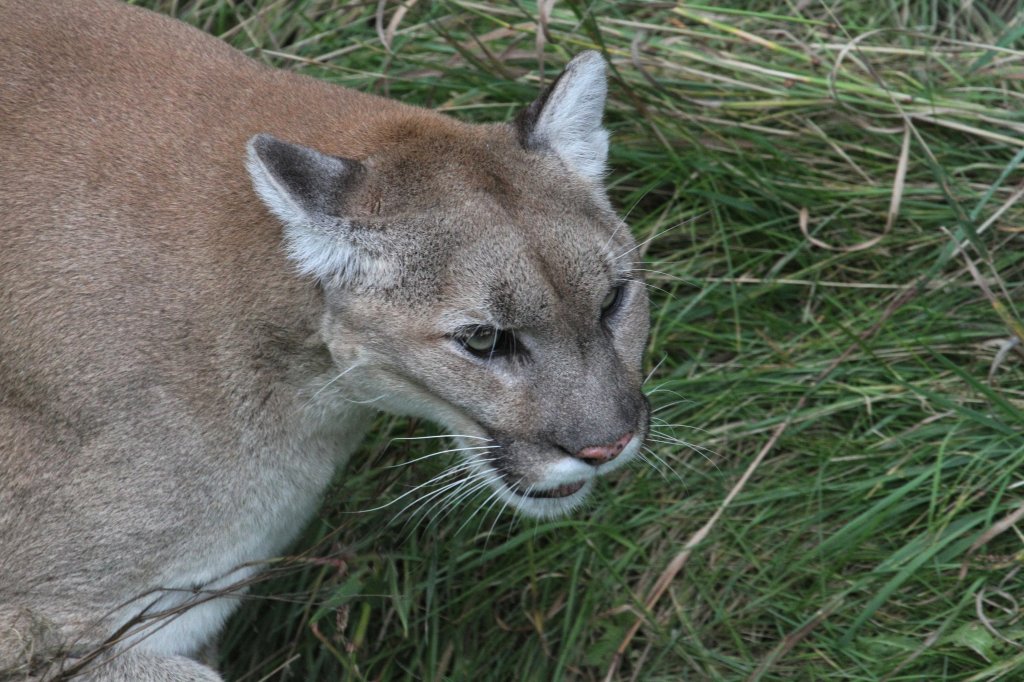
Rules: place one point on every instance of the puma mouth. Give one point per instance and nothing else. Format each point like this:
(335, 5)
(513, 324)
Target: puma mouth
(561, 491)
(544, 503)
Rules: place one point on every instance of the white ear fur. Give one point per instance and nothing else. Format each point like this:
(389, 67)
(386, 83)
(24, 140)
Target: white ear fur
(297, 184)
(569, 120)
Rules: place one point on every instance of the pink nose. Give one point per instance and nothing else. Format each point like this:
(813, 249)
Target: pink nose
(596, 454)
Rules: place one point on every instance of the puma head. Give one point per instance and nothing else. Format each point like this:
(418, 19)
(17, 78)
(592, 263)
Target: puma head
(477, 276)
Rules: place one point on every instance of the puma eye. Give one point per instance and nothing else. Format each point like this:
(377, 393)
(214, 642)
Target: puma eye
(482, 341)
(488, 342)
(611, 300)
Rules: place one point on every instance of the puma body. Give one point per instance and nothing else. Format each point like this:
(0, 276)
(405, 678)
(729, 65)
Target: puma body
(212, 272)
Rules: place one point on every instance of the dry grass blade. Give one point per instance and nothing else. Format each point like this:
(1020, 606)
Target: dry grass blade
(792, 639)
(995, 530)
(899, 182)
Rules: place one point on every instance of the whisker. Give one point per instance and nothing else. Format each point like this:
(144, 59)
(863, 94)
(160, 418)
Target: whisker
(662, 423)
(676, 278)
(641, 458)
(440, 452)
(444, 474)
(418, 515)
(652, 287)
(618, 227)
(702, 451)
(494, 494)
(328, 384)
(668, 405)
(670, 440)
(476, 464)
(494, 524)
(658, 234)
(490, 508)
(664, 356)
(645, 242)
(481, 486)
(662, 389)
(365, 402)
(661, 461)
(453, 500)
(440, 491)
(443, 435)
(447, 502)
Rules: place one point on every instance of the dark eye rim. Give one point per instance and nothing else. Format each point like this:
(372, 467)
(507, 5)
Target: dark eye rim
(505, 344)
(619, 290)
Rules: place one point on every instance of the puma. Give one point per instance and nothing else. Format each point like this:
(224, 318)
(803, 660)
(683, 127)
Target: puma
(213, 272)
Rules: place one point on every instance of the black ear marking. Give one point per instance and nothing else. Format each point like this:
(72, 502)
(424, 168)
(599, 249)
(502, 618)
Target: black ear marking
(566, 118)
(313, 195)
(319, 184)
(526, 120)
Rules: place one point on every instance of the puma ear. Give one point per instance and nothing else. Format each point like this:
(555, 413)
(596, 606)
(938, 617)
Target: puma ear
(566, 118)
(308, 191)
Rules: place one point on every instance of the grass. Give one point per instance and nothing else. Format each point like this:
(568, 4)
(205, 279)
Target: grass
(831, 199)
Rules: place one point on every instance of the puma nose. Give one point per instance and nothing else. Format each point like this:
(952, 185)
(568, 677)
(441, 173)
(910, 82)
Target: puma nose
(598, 454)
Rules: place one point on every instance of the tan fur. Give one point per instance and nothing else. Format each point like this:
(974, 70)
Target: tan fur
(174, 397)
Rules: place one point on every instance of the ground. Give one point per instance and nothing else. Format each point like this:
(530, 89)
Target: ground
(829, 198)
